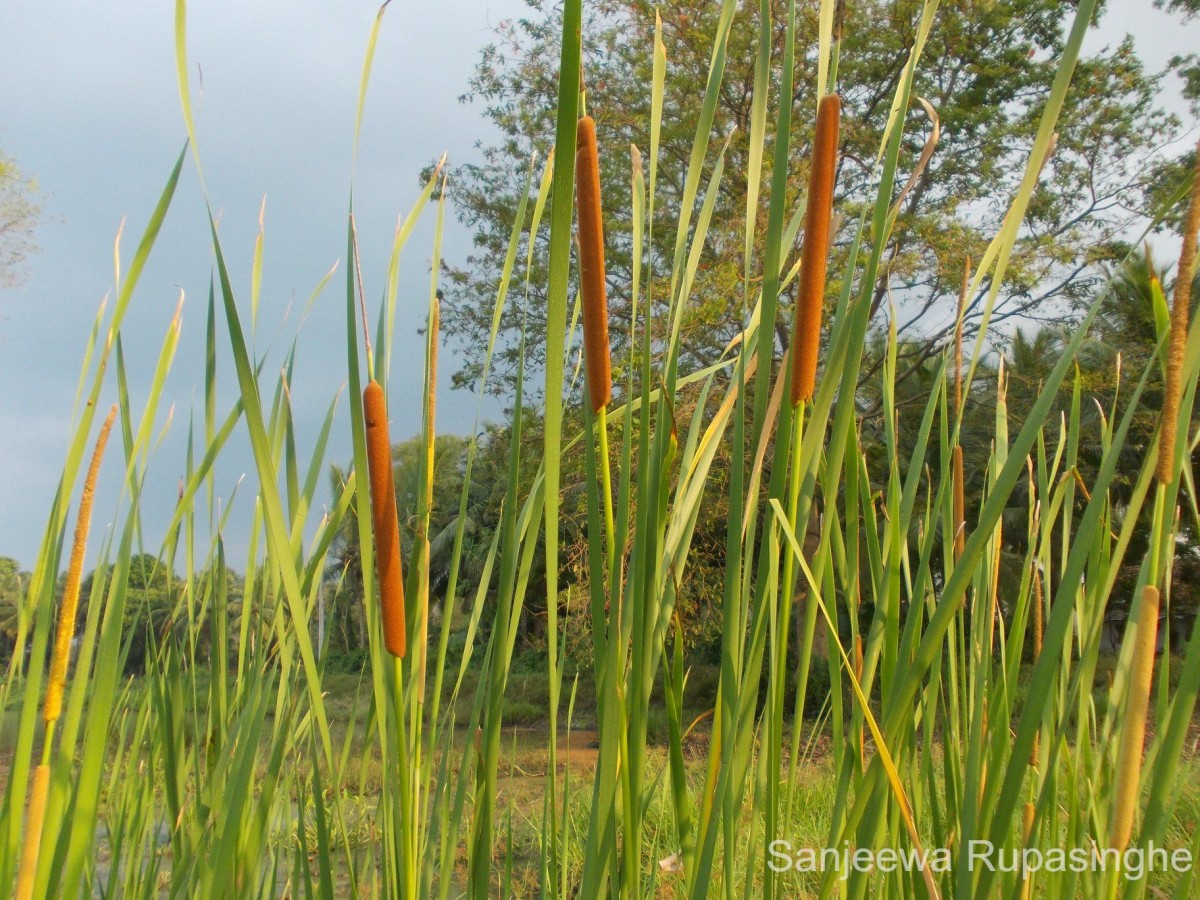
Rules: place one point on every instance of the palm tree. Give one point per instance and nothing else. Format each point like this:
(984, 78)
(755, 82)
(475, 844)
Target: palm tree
(343, 575)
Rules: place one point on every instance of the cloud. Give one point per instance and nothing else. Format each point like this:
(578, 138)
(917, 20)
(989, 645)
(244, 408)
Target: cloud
(97, 120)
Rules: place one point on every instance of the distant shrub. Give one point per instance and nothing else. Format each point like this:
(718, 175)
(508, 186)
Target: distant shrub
(347, 662)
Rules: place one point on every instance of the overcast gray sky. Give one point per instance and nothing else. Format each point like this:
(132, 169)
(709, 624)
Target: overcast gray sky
(91, 108)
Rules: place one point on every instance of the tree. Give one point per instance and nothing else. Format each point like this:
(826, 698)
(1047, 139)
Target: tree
(986, 72)
(19, 214)
(1122, 344)
(13, 583)
(1187, 65)
(343, 574)
(151, 595)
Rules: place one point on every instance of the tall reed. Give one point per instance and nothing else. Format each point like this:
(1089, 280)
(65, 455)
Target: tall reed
(1133, 727)
(59, 661)
(65, 632)
(1180, 305)
(960, 519)
(934, 731)
(33, 832)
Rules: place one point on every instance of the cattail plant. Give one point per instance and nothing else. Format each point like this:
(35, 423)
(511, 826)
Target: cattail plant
(1039, 628)
(421, 550)
(254, 780)
(384, 521)
(70, 602)
(591, 265)
(1178, 337)
(58, 666)
(806, 331)
(858, 674)
(33, 832)
(1133, 725)
(431, 361)
(960, 513)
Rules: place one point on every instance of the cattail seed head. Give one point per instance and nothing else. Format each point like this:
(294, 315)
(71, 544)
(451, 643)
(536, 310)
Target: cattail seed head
(70, 602)
(384, 522)
(33, 833)
(591, 265)
(1133, 725)
(806, 331)
(1178, 337)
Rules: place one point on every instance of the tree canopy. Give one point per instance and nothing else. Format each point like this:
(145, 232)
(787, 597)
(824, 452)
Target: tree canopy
(19, 214)
(987, 72)
(13, 583)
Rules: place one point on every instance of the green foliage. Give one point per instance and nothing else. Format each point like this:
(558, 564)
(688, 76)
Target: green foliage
(20, 212)
(152, 593)
(346, 662)
(817, 532)
(485, 494)
(986, 71)
(13, 585)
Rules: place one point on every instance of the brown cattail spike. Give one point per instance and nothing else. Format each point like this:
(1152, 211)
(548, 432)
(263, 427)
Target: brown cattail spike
(806, 332)
(384, 521)
(591, 265)
(1178, 337)
(1133, 725)
(70, 602)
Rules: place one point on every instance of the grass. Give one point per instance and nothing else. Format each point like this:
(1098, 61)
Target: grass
(524, 763)
(427, 776)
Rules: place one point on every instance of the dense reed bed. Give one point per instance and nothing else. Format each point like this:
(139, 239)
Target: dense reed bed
(228, 770)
